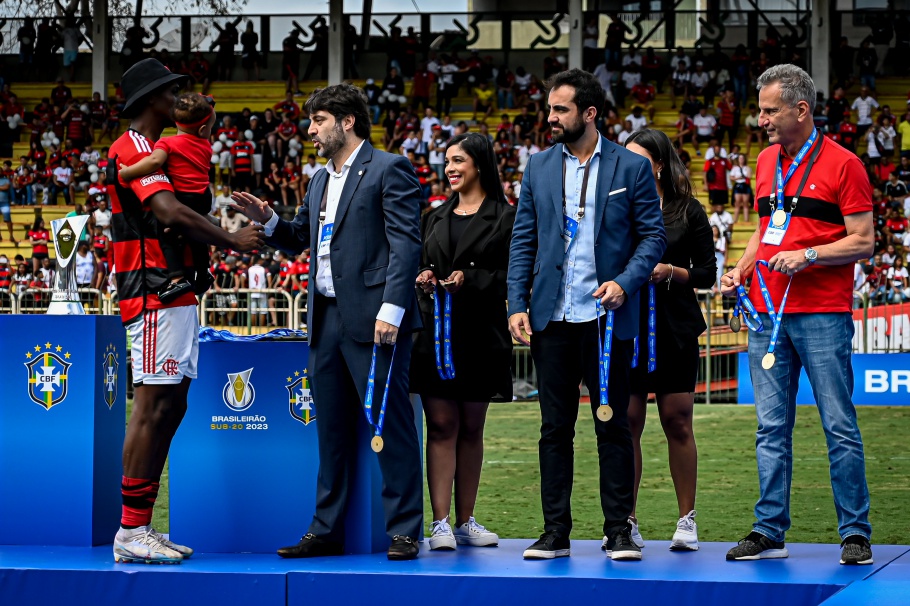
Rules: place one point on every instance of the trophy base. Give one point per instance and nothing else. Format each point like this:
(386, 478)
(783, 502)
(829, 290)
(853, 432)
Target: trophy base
(65, 308)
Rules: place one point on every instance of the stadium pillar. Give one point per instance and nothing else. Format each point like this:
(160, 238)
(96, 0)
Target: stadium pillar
(100, 47)
(576, 29)
(820, 45)
(336, 41)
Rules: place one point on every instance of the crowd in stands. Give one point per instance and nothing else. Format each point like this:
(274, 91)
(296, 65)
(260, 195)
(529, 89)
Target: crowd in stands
(265, 150)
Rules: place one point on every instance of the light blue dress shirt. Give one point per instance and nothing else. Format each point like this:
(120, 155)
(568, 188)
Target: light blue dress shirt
(575, 302)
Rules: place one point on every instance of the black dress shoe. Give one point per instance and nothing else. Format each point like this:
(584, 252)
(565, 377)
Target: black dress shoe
(203, 283)
(403, 548)
(311, 546)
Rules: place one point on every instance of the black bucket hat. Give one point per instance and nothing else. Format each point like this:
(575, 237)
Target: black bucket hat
(143, 79)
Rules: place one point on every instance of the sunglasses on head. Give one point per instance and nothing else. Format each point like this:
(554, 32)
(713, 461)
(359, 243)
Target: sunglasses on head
(210, 100)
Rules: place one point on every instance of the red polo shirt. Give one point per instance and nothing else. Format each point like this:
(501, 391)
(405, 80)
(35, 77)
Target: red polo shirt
(837, 186)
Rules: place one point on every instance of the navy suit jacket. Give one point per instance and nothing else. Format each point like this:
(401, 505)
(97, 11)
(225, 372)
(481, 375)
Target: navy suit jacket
(375, 248)
(629, 238)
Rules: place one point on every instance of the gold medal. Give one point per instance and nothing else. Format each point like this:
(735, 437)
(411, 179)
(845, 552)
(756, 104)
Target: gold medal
(779, 218)
(768, 361)
(604, 412)
(376, 444)
(735, 324)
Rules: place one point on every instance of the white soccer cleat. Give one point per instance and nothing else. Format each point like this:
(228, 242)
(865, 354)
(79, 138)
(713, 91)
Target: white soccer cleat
(686, 536)
(183, 550)
(472, 533)
(141, 545)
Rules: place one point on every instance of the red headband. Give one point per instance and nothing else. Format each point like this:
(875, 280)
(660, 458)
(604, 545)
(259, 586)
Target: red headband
(195, 126)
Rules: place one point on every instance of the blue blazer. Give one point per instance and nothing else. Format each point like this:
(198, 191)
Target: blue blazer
(629, 238)
(375, 241)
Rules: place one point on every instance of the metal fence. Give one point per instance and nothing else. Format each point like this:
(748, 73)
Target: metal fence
(880, 327)
(880, 324)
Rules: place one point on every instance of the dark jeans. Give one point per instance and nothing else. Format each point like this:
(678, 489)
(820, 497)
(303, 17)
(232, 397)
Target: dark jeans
(565, 354)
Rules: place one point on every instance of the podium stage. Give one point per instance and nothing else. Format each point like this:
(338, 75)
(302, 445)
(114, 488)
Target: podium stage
(79, 576)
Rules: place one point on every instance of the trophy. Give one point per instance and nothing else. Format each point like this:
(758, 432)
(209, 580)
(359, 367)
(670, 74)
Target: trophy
(65, 298)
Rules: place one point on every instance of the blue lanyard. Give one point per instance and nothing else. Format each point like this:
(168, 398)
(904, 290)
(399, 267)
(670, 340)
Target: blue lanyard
(749, 313)
(604, 347)
(368, 403)
(442, 332)
(652, 333)
(781, 180)
(776, 317)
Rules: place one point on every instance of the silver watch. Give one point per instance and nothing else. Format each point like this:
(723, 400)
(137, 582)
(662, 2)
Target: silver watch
(811, 255)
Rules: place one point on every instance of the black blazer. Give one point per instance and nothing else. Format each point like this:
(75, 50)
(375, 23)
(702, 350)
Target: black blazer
(690, 245)
(483, 255)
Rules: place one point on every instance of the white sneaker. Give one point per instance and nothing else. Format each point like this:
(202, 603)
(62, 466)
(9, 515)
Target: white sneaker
(636, 536)
(686, 536)
(183, 550)
(472, 533)
(140, 545)
(442, 537)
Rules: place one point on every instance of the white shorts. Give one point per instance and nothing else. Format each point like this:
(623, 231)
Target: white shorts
(224, 160)
(165, 345)
(257, 163)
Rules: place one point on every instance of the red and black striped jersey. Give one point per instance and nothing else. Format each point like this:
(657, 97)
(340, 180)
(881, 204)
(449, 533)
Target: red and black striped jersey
(243, 156)
(141, 267)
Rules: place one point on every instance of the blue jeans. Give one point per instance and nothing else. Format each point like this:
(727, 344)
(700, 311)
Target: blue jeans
(505, 99)
(822, 344)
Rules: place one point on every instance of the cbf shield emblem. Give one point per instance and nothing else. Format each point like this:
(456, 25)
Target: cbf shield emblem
(110, 366)
(48, 378)
(238, 392)
(300, 400)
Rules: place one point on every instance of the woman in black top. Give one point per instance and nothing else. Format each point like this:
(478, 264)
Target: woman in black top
(465, 254)
(687, 264)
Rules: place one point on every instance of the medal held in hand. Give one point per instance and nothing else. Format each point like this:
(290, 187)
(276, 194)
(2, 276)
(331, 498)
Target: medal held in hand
(377, 443)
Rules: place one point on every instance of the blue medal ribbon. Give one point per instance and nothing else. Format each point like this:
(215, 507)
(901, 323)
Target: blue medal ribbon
(745, 307)
(652, 333)
(782, 181)
(776, 317)
(445, 364)
(371, 383)
(604, 347)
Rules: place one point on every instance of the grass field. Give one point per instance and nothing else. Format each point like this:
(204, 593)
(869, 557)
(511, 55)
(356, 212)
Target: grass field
(509, 500)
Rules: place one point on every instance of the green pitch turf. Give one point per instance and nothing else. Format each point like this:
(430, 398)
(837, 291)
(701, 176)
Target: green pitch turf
(509, 499)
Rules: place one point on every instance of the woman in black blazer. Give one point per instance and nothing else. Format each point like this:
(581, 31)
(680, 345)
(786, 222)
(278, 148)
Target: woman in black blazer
(687, 264)
(465, 255)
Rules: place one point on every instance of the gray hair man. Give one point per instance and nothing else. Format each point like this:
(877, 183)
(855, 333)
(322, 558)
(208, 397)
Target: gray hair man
(815, 210)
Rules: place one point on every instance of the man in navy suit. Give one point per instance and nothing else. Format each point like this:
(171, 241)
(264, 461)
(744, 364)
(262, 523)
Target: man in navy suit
(361, 220)
(588, 229)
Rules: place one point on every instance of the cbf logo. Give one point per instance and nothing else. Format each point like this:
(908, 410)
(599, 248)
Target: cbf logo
(48, 374)
(300, 400)
(238, 392)
(110, 365)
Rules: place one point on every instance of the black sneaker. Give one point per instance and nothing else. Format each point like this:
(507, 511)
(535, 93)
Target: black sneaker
(620, 546)
(757, 546)
(856, 550)
(173, 290)
(403, 548)
(550, 545)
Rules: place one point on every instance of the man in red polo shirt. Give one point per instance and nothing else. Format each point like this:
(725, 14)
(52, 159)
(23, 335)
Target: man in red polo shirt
(809, 243)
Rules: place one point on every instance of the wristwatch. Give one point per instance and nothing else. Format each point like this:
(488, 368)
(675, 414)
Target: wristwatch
(811, 255)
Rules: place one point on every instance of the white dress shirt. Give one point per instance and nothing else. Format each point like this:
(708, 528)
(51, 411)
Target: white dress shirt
(389, 313)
